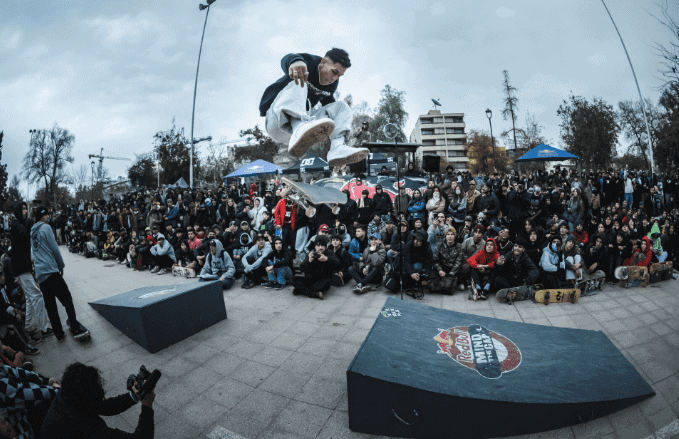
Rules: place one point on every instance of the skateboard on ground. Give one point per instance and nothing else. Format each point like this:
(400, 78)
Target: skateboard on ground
(183, 271)
(511, 295)
(86, 336)
(305, 194)
(660, 271)
(588, 286)
(557, 295)
(632, 276)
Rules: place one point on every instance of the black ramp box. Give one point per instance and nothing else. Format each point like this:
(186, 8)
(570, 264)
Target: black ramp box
(425, 372)
(157, 317)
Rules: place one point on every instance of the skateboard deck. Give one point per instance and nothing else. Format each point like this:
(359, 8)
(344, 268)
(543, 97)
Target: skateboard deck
(303, 194)
(588, 286)
(660, 271)
(557, 295)
(511, 295)
(183, 271)
(627, 274)
(82, 337)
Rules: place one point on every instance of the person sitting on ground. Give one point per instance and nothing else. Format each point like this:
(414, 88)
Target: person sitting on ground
(470, 247)
(596, 259)
(163, 256)
(387, 234)
(658, 243)
(358, 245)
(131, 257)
(340, 229)
(10, 357)
(342, 254)
(77, 410)
(447, 262)
(318, 268)
(436, 233)
(515, 268)
(573, 262)
(376, 225)
(186, 257)
(418, 264)
(279, 265)
(482, 266)
(323, 230)
(11, 315)
(253, 262)
(581, 236)
(194, 242)
(218, 266)
(201, 252)
(552, 273)
(371, 266)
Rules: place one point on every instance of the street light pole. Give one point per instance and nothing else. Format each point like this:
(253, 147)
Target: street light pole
(641, 98)
(92, 187)
(492, 139)
(195, 87)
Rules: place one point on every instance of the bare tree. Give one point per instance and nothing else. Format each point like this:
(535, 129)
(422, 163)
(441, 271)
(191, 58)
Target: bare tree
(362, 108)
(669, 52)
(79, 177)
(47, 156)
(511, 102)
(631, 121)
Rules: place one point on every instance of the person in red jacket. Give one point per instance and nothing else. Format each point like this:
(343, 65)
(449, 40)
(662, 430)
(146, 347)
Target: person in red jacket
(581, 235)
(482, 266)
(642, 256)
(285, 217)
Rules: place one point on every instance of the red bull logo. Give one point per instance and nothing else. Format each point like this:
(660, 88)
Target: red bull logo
(477, 348)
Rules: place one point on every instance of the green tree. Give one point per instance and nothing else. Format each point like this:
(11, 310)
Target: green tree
(511, 102)
(390, 109)
(667, 150)
(46, 159)
(12, 194)
(142, 173)
(589, 131)
(631, 121)
(174, 152)
(264, 149)
(58, 195)
(480, 153)
(3, 176)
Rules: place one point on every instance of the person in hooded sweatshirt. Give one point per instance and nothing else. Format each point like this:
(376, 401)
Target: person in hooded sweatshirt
(253, 262)
(279, 265)
(163, 255)
(551, 272)
(218, 266)
(657, 243)
(482, 266)
(255, 213)
(49, 271)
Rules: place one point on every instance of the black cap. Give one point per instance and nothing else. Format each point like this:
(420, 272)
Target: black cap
(40, 212)
(321, 240)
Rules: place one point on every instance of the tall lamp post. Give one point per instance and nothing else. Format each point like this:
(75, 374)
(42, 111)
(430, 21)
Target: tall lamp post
(195, 87)
(28, 182)
(492, 139)
(92, 190)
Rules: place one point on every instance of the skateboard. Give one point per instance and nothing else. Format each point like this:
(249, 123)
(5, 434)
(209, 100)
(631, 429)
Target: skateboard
(557, 295)
(660, 271)
(589, 285)
(82, 337)
(632, 276)
(511, 295)
(183, 271)
(303, 194)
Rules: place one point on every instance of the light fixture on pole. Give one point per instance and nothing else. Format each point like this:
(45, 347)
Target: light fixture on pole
(92, 187)
(492, 139)
(195, 87)
(28, 182)
(391, 132)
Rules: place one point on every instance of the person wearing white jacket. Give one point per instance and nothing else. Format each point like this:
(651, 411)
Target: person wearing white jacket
(163, 255)
(256, 212)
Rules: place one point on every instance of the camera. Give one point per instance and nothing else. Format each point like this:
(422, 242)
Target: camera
(313, 254)
(144, 380)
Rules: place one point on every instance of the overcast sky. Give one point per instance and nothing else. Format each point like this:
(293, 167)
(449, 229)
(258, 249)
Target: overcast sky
(116, 72)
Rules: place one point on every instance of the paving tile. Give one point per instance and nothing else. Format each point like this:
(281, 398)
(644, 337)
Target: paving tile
(304, 420)
(272, 356)
(224, 363)
(251, 373)
(563, 322)
(289, 341)
(334, 369)
(614, 326)
(661, 328)
(592, 429)
(176, 426)
(203, 412)
(661, 419)
(337, 428)
(669, 388)
(657, 371)
(322, 392)
(602, 316)
(648, 318)
(561, 433)
(254, 413)
(303, 328)
(284, 383)
(302, 363)
(246, 349)
(228, 392)
(331, 331)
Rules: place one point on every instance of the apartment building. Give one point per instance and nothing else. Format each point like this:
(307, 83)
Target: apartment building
(442, 134)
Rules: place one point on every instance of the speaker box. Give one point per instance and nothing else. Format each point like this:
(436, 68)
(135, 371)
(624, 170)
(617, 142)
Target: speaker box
(425, 372)
(358, 167)
(157, 317)
(431, 163)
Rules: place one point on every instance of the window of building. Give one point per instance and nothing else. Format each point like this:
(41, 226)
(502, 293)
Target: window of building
(425, 121)
(457, 153)
(440, 141)
(454, 130)
(427, 132)
(459, 165)
(428, 143)
(438, 120)
(439, 131)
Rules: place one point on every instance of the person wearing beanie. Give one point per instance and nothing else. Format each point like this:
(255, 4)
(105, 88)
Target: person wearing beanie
(318, 269)
(551, 271)
(418, 262)
(448, 261)
(571, 260)
(163, 256)
(515, 268)
(218, 266)
(482, 271)
(581, 235)
(371, 266)
(470, 247)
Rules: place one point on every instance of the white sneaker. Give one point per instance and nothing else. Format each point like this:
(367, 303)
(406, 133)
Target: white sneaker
(341, 154)
(307, 132)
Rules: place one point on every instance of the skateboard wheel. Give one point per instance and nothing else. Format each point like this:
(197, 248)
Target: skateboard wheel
(547, 298)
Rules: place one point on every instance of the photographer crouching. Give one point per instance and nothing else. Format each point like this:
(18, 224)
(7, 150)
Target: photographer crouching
(76, 412)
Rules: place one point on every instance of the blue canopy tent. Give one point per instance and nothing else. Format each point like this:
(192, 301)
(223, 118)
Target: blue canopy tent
(255, 168)
(545, 153)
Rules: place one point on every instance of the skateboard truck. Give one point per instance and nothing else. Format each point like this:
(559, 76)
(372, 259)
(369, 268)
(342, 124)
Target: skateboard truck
(546, 300)
(511, 297)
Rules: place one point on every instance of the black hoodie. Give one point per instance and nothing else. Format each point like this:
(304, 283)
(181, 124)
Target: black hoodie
(21, 242)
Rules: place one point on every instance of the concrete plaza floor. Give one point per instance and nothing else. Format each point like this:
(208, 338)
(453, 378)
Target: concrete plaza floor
(276, 368)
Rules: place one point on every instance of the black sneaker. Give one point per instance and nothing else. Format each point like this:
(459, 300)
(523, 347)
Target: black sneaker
(269, 284)
(60, 339)
(30, 350)
(47, 333)
(248, 284)
(28, 365)
(279, 286)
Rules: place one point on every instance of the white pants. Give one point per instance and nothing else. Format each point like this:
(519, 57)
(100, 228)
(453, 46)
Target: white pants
(36, 314)
(291, 103)
(301, 241)
(570, 274)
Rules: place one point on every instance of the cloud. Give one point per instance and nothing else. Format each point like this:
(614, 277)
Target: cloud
(505, 13)
(10, 40)
(438, 8)
(123, 28)
(596, 60)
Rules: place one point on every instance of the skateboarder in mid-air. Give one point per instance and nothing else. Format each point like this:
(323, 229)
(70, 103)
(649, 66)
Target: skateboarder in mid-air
(289, 106)
(49, 269)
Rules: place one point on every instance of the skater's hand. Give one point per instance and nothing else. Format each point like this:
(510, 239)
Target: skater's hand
(322, 258)
(442, 273)
(500, 260)
(592, 267)
(415, 276)
(269, 269)
(298, 72)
